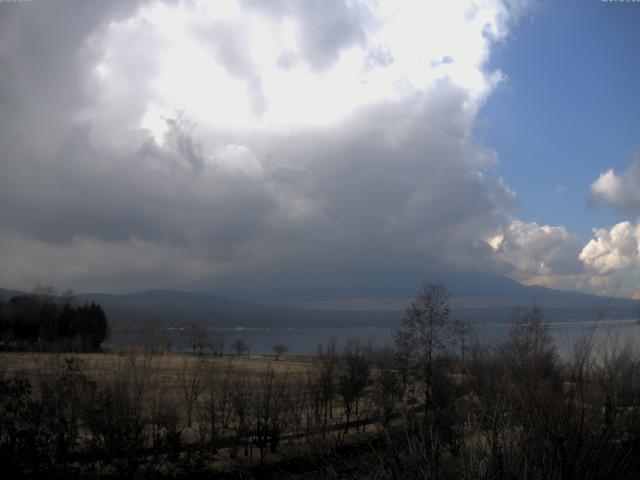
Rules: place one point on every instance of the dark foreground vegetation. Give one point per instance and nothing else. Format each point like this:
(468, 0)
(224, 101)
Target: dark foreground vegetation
(48, 322)
(436, 406)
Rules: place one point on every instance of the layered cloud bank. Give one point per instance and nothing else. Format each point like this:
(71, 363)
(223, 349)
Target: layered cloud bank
(283, 146)
(552, 256)
(616, 251)
(608, 263)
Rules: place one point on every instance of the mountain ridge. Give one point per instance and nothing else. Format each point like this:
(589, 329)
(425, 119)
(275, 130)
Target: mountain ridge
(486, 299)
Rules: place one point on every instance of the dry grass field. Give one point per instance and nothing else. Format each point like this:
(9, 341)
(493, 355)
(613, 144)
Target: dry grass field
(242, 408)
(167, 365)
(183, 379)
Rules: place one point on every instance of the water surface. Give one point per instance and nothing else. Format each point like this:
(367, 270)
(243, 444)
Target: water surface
(623, 333)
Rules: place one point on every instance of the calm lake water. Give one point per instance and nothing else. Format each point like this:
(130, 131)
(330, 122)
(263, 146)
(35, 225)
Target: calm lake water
(623, 333)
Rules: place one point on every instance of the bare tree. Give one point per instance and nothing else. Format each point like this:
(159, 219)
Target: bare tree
(424, 343)
(215, 411)
(530, 351)
(354, 376)
(387, 385)
(195, 336)
(166, 343)
(425, 336)
(459, 332)
(218, 343)
(240, 346)
(118, 418)
(269, 409)
(327, 378)
(279, 349)
(299, 409)
(241, 400)
(190, 378)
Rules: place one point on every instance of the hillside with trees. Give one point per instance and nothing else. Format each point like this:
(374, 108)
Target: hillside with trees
(47, 322)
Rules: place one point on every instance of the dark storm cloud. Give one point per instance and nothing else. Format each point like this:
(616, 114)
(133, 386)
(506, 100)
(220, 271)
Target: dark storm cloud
(372, 202)
(382, 200)
(43, 54)
(407, 198)
(90, 192)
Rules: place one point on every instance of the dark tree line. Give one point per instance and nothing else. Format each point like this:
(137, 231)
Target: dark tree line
(47, 322)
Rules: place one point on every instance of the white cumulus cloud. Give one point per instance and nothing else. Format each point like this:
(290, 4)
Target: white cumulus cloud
(540, 254)
(621, 191)
(612, 250)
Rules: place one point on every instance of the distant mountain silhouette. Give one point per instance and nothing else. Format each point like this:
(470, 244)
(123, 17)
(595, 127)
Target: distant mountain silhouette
(173, 307)
(486, 298)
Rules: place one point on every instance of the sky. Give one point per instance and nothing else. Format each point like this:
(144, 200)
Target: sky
(342, 148)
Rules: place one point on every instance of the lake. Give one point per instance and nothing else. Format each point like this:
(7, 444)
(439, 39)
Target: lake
(624, 333)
